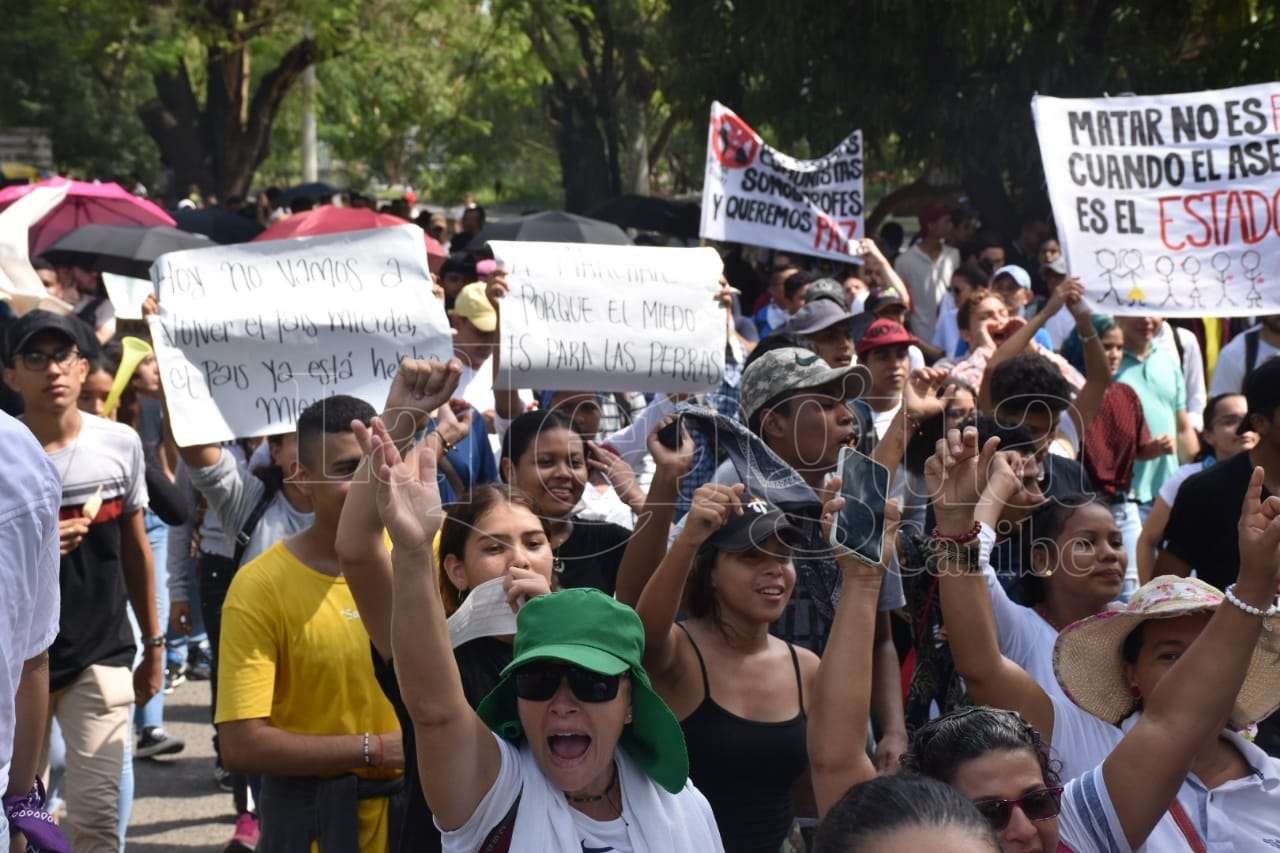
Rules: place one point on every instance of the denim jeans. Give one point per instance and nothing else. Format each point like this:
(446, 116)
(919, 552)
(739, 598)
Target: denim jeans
(1129, 519)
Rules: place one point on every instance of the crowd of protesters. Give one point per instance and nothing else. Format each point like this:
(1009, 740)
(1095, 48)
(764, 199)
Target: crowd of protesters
(559, 620)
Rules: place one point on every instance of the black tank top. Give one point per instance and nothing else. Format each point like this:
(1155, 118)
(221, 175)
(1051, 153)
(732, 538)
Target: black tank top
(746, 768)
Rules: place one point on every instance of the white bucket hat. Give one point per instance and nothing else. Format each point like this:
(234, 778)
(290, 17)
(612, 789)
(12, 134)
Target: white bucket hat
(1087, 657)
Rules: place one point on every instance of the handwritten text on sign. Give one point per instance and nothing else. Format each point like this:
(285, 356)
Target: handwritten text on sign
(753, 193)
(1169, 204)
(581, 317)
(249, 336)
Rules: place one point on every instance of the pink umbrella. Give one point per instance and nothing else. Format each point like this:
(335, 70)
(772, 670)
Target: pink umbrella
(85, 204)
(333, 220)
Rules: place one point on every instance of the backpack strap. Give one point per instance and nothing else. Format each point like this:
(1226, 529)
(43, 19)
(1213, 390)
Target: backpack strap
(499, 838)
(1250, 354)
(251, 522)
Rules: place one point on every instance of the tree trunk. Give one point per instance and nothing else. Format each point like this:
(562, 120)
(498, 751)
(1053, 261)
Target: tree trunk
(584, 166)
(637, 126)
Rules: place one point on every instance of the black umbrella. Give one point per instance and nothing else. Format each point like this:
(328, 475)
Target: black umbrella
(121, 249)
(552, 226)
(648, 213)
(316, 191)
(221, 226)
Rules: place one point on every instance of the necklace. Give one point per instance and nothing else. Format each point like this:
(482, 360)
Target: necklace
(595, 798)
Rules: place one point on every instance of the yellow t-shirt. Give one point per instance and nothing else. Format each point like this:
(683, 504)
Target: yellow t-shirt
(294, 651)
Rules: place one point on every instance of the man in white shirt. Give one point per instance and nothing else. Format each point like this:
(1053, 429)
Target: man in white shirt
(29, 573)
(927, 267)
(1243, 354)
(1186, 347)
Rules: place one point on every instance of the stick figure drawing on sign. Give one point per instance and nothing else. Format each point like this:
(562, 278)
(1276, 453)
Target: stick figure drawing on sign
(1164, 269)
(1191, 266)
(1221, 262)
(1251, 263)
(1110, 266)
(1131, 261)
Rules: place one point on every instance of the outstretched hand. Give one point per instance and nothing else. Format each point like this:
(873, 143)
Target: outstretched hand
(920, 398)
(407, 494)
(956, 475)
(1259, 533)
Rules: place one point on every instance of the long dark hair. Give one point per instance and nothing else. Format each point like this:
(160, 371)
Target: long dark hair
(526, 428)
(940, 746)
(888, 803)
(460, 522)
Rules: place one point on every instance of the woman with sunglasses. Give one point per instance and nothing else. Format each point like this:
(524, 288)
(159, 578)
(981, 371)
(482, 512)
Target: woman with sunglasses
(1182, 660)
(573, 750)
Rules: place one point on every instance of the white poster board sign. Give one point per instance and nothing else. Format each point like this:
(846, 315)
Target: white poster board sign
(583, 317)
(753, 193)
(248, 336)
(1168, 204)
(126, 294)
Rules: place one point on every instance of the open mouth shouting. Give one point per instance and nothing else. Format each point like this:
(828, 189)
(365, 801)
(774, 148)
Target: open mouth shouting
(568, 748)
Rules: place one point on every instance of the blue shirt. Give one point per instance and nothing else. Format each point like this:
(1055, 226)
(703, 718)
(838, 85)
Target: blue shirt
(472, 459)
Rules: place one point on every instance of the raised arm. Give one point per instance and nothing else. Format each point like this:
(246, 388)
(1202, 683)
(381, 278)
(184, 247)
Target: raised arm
(1194, 698)
(1151, 539)
(660, 600)
(955, 474)
(458, 758)
(419, 388)
(649, 541)
(1020, 339)
(1097, 375)
(841, 697)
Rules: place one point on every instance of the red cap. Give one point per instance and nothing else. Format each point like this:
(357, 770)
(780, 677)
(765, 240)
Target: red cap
(883, 333)
(932, 213)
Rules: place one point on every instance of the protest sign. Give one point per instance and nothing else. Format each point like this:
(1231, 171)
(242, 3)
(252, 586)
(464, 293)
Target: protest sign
(1168, 204)
(126, 294)
(248, 336)
(753, 193)
(582, 317)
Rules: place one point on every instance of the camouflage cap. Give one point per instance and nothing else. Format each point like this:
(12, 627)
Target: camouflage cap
(791, 370)
(827, 288)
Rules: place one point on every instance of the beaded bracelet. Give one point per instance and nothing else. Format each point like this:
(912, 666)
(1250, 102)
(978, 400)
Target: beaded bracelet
(962, 538)
(1230, 594)
(364, 748)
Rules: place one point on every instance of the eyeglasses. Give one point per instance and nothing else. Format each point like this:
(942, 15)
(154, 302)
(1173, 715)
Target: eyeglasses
(539, 682)
(1037, 805)
(40, 360)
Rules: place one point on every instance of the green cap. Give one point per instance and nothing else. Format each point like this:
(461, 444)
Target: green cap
(587, 628)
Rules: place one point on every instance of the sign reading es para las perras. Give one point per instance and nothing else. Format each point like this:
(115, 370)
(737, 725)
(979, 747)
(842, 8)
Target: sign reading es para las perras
(1169, 204)
(248, 336)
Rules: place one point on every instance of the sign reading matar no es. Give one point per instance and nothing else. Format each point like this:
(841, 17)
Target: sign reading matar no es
(1169, 204)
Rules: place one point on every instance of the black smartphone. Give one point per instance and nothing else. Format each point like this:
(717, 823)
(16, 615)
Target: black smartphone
(671, 436)
(859, 527)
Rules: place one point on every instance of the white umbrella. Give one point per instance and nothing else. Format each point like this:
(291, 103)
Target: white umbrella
(19, 284)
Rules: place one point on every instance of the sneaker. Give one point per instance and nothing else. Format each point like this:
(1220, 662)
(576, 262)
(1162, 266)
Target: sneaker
(224, 777)
(155, 742)
(174, 676)
(245, 838)
(198, 664)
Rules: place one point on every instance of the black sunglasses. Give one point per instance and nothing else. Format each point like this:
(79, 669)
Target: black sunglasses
(539, 682)
(1037, 805)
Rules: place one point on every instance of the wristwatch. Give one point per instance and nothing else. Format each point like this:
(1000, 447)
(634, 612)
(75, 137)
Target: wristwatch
(156, 641)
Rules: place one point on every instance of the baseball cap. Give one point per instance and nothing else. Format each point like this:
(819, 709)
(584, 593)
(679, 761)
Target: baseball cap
(1014, 272)
(588, 629)
(883, 333)
(827, 289)
(932, 212)
(33, 323)
(474, 305)
(883, 298)
(759, 521)
(816, 316)
(1261, 390)
(792, 370)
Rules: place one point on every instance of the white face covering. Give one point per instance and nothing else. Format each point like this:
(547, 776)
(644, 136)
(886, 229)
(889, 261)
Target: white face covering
(859, 304)
(483, 613)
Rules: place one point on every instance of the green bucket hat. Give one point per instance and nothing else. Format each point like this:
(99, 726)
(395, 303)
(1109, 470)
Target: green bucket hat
(587, 628)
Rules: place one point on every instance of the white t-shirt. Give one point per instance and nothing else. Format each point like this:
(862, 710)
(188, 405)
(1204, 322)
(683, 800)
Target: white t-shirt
(1240, 816)
(1169, 490)
(1228, 374)
(29, 541)
(883, 420)
(233, 492)
(1192, 368)
(927, 280)
(685, 818)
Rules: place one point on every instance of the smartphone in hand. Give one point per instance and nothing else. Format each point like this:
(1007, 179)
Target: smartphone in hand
(859, 527)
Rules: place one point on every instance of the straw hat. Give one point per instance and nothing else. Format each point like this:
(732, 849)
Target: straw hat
(1088, 662)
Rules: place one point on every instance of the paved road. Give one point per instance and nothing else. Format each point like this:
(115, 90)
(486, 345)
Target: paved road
(177, 805)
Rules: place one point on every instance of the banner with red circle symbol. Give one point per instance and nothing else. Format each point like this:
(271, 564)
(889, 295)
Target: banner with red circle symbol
(753, 193)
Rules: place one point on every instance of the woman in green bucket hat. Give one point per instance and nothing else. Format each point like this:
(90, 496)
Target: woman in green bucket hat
(573, 750)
